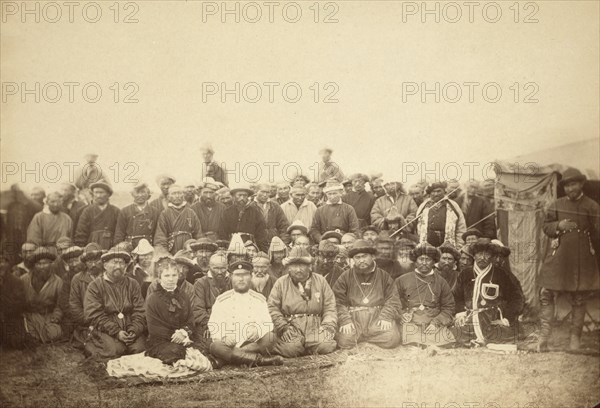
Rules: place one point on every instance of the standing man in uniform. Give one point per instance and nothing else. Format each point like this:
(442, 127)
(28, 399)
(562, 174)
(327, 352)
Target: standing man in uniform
(571, 265)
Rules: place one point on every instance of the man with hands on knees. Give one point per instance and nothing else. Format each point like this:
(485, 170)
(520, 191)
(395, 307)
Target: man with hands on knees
(367, 301)
(240, 325)
(303, 309)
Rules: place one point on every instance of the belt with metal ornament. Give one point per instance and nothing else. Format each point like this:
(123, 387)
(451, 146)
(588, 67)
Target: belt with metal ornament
(359, 308)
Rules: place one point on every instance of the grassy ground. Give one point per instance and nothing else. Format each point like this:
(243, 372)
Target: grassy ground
(58, 376)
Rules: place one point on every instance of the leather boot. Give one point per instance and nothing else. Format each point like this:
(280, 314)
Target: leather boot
(239, 356)
(546, 316)
(577, 319)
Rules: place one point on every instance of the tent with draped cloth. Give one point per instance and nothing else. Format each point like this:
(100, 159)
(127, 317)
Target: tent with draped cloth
(525, 186)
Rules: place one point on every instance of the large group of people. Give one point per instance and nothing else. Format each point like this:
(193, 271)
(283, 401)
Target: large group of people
(254, 274)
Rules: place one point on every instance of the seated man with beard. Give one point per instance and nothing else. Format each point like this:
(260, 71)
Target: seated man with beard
(325, 264)
(277, 252)
(207, 289)
(367, 302)
(42, 290)
(202, 249)
(385, 255)
(240, 325)
(169, 315)
(93, 269)
(404, 248)
(114, 307)
(448, 265)
(302, 306)
(427, 301)
(71, 257)
(262, 282)
(488, 300)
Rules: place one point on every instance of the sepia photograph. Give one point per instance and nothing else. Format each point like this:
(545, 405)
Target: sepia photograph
(310, 203)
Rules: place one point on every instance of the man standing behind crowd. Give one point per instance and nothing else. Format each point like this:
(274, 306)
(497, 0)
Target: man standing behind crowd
(334, 215)
(98, 220)
(298, 207)
(209, 211)
(71, 205)
(177, 223)
(441, 219)
(50, 224)
(360, 199)
(275, 219)
(137, 221)
(210, 168)
(243, 216)
(164, 181)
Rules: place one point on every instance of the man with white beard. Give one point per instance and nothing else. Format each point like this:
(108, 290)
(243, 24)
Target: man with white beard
(262, 281)
(403, 250)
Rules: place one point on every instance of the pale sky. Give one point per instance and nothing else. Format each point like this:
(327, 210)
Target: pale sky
(369, 55)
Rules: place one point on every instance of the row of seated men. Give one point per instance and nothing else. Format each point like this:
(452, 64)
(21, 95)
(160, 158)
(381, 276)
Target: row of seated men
(242, 311)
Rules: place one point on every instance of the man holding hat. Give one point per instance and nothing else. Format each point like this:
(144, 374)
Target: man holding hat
(245, 217)
(177, 223)
(138, 220)
(42, 291)
(240, 325)
(302, 306)
(298, 208)
(367, 301)
(93, 269)
(327, 168)
(334, 214)
(440, 218)
(211, 168)
(396, 202)
(98, 220)
(360, 199)
(571, 264)
(489, 300)
(207, 289)
(114, 308)
(50, 224)
(427, 301)
(208, 210)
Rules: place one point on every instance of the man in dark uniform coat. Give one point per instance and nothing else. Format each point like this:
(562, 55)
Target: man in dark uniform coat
(571, 264)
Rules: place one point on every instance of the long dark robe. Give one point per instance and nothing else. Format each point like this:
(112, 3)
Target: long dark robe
(362, 203)
(96, 225)
(134, 224)
(211, 218)
(175, 226)
(249, 220)
(12, 307)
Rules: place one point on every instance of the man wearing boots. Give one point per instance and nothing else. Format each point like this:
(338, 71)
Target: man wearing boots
(240, 324)
(571, 265)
